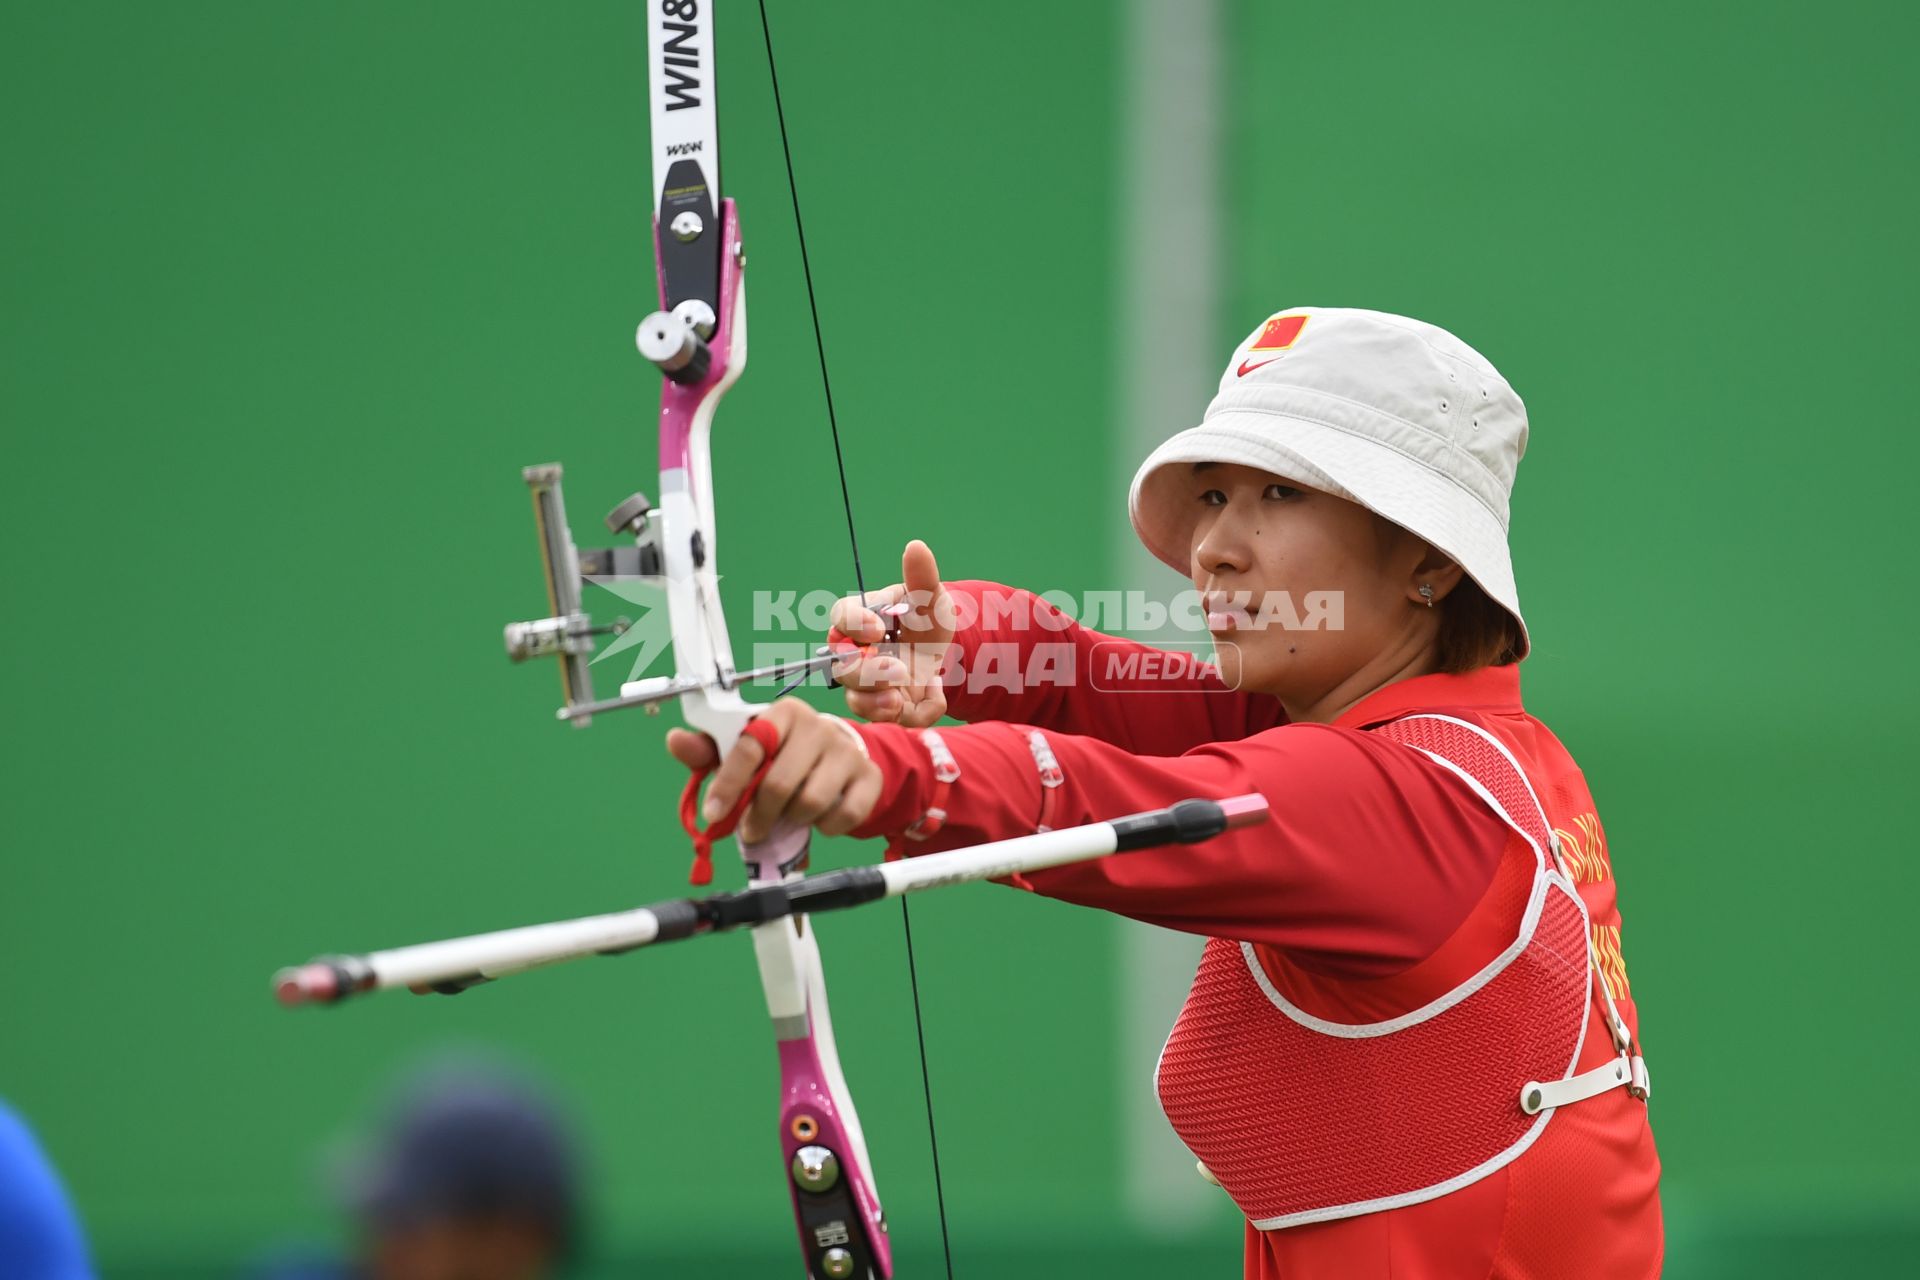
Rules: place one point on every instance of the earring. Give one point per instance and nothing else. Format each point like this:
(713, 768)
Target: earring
(1426, 593)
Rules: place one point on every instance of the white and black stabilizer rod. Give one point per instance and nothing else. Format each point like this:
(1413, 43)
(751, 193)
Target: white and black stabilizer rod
(452, 966)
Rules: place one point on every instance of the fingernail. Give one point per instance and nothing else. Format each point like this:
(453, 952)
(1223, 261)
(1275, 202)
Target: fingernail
(712, 809)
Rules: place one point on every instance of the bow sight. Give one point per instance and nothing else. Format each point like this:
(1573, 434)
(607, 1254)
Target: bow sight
(567, 633)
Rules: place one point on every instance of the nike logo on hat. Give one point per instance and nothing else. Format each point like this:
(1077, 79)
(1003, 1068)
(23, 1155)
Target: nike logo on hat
(1277, 334)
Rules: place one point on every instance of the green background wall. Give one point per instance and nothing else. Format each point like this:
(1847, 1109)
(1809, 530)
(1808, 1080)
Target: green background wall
(291, 291)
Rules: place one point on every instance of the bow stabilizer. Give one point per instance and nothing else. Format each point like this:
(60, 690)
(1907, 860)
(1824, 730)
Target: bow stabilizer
(450, 967)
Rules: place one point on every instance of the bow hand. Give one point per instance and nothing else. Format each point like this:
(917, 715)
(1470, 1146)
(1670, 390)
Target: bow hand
(814, 774)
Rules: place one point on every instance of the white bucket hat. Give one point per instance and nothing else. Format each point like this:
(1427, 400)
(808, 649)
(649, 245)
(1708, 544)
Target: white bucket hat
(1394, 414)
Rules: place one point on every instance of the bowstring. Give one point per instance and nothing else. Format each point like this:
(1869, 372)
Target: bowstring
(860, 584)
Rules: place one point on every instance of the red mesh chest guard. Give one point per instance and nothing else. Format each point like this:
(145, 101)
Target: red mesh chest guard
(1301, 1119)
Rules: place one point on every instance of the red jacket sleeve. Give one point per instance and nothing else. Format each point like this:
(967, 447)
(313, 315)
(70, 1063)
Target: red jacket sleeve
(1374, 854)
(1020, 659)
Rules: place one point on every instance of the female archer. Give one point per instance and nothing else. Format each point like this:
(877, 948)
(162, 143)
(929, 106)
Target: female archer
(1411, 1049)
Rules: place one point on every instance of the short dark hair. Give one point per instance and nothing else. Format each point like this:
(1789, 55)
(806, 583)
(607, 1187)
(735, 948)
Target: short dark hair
(1475, 631)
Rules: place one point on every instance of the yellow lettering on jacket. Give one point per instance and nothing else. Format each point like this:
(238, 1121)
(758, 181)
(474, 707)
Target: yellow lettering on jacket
(1584, 849)
(1606, 950)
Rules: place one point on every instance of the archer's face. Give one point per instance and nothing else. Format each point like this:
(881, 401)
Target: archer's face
(1302, 589)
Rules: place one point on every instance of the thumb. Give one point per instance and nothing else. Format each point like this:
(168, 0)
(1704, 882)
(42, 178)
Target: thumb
(920, 573)
(694, 750)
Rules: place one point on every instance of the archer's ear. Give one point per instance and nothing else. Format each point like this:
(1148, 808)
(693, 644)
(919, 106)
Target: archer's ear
(1436, 570)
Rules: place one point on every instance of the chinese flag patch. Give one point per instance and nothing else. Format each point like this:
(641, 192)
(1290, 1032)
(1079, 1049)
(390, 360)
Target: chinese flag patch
(1281, 332)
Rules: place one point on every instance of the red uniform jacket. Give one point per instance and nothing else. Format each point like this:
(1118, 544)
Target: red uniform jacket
(1376, 857)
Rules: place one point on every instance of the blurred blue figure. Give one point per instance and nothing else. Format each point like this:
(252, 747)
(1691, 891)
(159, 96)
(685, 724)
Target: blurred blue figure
(473, 1178)
(39, 1235)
